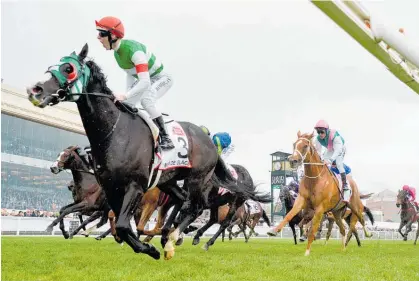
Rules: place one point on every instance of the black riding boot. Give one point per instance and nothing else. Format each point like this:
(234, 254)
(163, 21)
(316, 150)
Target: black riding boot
(165, 141)
(346, 191)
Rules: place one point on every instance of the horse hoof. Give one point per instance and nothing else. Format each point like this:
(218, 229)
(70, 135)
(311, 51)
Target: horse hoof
(195, 241)
(271, 233)
(179, 241)
(98, 238)
(71, 236)
(256, 234)
(307, 253)
(154, 253)
(49, 229)
(66, 235)
(205, 247)
(169, 254)
(147, 239)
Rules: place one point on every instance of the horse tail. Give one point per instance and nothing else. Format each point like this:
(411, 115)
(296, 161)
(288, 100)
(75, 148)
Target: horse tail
(223, 177)
(365, 196)
(369, 214)
(266, 218)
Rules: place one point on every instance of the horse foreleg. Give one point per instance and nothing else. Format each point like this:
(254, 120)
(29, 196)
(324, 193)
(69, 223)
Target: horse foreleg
(223, 225)
(63, 231)
(314, 226)
(402, 224)
(253, 225)
(417, 234)
(104, 234)
(71, 208)
(293, 233)
(146, 212)
(159, 224)
(93, 217)
(213, 219)
(81, 221)
(168, 224)
(130, 202)
(298, 206)
(246, 237)
(408, 229)
(102, 222)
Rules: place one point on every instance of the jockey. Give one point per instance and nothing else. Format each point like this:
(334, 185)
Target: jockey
(335, 151)
(411, 195)
(222, 142)
(294, 188)
(146, 79)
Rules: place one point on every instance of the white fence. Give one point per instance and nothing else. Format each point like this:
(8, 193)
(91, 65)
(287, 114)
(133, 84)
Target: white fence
(36, 226)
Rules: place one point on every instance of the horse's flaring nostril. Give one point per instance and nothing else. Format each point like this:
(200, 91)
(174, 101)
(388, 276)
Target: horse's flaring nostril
(37, 89)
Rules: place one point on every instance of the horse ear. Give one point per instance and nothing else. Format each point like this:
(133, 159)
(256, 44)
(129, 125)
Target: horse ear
(83, 52)
(311, 135)
(299, 134)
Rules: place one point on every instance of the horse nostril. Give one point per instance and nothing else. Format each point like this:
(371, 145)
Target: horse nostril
(37, 89)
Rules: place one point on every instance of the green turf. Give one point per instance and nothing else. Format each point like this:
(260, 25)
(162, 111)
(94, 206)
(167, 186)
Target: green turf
(37, 258)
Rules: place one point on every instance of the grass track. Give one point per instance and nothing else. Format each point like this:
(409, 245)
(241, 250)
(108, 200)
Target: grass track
(53, 258)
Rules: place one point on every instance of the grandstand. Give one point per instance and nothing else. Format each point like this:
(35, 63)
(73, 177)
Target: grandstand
(31, 140)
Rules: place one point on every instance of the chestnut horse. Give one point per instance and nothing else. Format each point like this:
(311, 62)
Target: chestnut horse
(319, 190)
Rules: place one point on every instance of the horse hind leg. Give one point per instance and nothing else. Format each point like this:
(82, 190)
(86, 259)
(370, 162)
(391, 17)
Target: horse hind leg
(329, 230)
(360, 217)
(338, 220)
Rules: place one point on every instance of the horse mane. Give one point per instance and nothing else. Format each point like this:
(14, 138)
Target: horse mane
(97, 79)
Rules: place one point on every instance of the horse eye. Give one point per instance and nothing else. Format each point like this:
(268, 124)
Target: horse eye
(69, 69)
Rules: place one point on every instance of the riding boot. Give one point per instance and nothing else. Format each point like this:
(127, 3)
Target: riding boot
(165, 141)
(346, 189)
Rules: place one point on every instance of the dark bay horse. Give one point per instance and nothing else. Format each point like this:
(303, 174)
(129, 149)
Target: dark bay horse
(123, 149)
(319, 190)
(301, 218)
(247, 216)
(218, 198)
(89, 197)
(408, 214)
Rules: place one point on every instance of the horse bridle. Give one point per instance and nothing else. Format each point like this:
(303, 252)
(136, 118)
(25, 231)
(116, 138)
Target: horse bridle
(303, 157)
(73, 152)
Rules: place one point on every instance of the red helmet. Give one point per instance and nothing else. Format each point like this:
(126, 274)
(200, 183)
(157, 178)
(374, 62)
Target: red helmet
(406, 187)
(113, 25)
